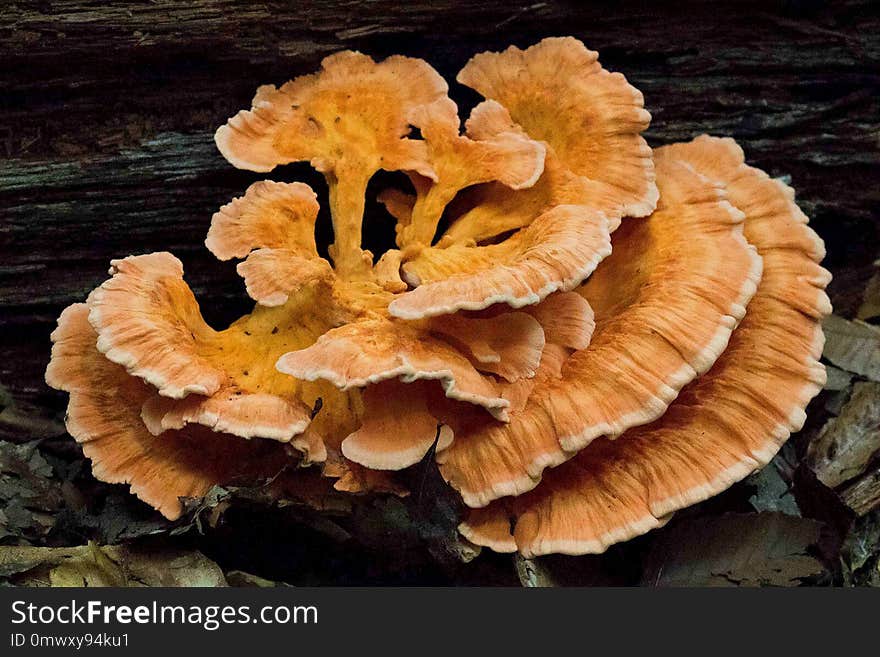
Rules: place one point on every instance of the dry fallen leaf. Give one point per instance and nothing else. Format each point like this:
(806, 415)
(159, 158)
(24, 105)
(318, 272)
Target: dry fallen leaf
(853, 346)
(29, 493)
(94, 566)
(847, 444)
(764, 549)
(860, 550)
(772, 492)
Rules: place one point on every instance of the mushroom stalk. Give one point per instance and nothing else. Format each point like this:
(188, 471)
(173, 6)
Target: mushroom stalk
(426, 215)
(347, 194)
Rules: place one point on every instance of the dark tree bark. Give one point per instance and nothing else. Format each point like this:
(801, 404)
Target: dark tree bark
(107, 115)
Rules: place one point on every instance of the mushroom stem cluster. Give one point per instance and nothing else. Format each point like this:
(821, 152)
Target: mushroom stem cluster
(584, 333)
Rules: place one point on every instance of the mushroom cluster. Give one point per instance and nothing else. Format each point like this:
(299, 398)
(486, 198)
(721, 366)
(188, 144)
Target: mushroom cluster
(585, 334)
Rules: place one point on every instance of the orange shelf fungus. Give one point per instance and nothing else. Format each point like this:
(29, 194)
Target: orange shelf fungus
(723, 426)
(509, 157)
(592, 119)
(665, 303)
(273, 228)
(578, 331)
(104, 415)
(349, 120)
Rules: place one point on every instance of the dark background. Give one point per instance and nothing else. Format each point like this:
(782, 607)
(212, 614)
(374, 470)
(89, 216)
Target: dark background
(107, 115)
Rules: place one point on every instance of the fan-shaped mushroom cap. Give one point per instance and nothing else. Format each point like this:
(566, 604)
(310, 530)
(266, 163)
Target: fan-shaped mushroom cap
(728, 423)
(397, 428)
(104, 416)
(596, 160)
(567, 319)
(148, 320)
(270, 215)
(247, 415)
(555, 252)
(271, 276)
(560, 94)
(489, 527)
(273, 227)
(508, 344)
(349, 120)
(518, 392)
(510, 157)
(369, 352)
(492, 210)
(665, 302)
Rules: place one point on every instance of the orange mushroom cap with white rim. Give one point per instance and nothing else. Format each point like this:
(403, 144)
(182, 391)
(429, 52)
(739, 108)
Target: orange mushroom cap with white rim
(270, 215)
(273, 227)
(369, 352)
(397, 428)
(104, 416)
(567, 320)
(508, 345)
(665, 303)
(593, 120)
(596, 164)
(148, 321)
(271, 276)
(491, 210)
(724, 425)
(510, 157)
(555, 252)
(349, 120)
(456, 354)
(248, 415)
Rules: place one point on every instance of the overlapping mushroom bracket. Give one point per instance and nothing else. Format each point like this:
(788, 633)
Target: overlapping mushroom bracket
(588, 333)
(681, 427)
